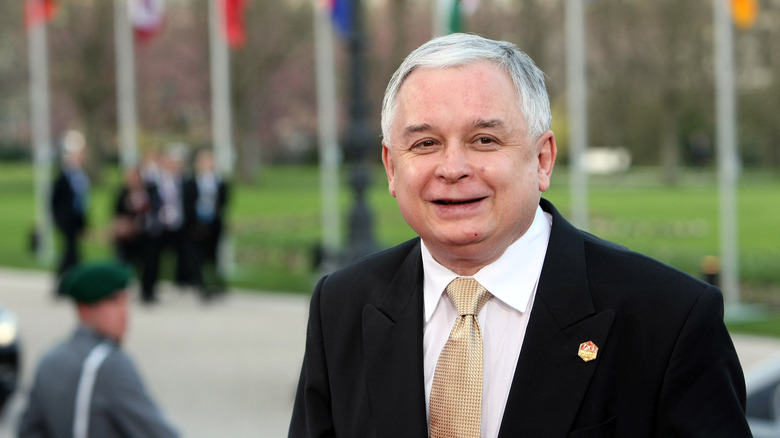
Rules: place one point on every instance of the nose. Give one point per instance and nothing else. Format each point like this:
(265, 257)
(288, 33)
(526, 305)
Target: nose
(454, 163)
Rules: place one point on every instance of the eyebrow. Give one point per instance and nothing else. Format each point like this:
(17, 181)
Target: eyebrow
(492, 123)
(413, 129)
(479, 123)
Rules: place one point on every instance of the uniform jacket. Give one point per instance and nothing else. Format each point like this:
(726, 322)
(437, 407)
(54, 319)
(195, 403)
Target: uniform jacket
(665, 366)
(121, 406)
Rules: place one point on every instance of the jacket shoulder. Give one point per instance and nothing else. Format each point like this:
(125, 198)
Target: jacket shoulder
(379, 267)
(620, 264)
(367, 279)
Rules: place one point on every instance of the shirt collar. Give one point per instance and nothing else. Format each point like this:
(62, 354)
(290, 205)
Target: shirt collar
(511, 278)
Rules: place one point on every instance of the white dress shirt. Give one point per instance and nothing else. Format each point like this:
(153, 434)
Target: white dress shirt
(512, 280)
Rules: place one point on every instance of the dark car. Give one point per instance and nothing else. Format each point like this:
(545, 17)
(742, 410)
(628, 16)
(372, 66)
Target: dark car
(9, 355)
(763, 398)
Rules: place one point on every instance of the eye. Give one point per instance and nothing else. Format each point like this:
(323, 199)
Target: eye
(427, 145)
(486, 143)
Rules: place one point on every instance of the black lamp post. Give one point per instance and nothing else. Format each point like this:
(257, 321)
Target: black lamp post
(360, 235)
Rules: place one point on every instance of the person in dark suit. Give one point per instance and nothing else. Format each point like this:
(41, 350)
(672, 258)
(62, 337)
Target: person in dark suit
(205, 199)
(70, 199)
(580, 337)
(134, 218)
(167, 232)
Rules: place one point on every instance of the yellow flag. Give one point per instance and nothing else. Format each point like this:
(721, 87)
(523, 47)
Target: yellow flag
(744, 12)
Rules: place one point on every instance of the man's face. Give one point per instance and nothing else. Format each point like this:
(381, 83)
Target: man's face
(110, 316)
(466, 175)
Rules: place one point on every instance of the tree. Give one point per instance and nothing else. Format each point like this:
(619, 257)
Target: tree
(647, 64)
(82, 68)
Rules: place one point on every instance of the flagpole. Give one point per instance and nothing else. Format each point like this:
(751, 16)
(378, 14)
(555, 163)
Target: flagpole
(728, 161)
(41, 138)
(220, 117)
(328, 137)
(125, 78)
(361, 219)
(220, 90)
(578, 109)
(438, 24)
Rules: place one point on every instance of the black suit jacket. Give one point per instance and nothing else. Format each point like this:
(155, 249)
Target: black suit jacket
(666, 366)
(66, 217)
(190, 194)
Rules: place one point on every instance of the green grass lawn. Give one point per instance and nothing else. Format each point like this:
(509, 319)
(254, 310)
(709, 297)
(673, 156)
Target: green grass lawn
(275, 223)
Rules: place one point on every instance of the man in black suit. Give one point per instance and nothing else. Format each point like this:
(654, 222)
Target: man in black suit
(167, 226)
(205, 199)
(580, 337)
(70, 199)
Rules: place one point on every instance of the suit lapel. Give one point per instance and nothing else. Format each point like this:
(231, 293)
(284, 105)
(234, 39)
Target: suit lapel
(393, 354)
(551, 379)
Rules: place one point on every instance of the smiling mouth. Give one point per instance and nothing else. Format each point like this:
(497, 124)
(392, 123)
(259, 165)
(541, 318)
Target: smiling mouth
(455, 202)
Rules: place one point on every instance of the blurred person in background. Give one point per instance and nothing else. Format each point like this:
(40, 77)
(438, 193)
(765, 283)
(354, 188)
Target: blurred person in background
(70, 199)
(134, 218)
(150, 167)
(170, 216)
(571, 335)
(88, 386)
(205, 198)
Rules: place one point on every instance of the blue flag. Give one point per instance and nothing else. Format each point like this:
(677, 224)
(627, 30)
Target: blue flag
(341, 13)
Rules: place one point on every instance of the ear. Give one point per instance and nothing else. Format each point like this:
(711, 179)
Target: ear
(387, 160)
(547, 150)
(85, 313)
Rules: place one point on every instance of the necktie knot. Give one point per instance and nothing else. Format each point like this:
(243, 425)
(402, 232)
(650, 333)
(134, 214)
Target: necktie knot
(468, 295)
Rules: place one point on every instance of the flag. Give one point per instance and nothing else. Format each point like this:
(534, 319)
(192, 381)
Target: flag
(449, 15)
(454, 19)
(39, 11)
(235, 31)
(341, 13)
(744, 13)
(146, 17)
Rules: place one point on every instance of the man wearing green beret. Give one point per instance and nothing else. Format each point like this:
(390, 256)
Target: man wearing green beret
(87, 386)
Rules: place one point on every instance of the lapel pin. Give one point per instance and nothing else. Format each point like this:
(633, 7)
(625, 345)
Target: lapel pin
(588, 351)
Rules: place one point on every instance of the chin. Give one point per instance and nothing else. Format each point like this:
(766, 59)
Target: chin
(461, 238)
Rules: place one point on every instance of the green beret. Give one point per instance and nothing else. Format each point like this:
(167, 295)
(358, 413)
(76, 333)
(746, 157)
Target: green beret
(91, 282)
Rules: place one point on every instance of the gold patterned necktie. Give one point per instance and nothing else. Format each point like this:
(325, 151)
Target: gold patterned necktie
(456, 396)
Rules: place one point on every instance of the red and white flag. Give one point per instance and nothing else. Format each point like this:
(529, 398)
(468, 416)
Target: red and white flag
(39, 11)
(234, 28)
(146, 17)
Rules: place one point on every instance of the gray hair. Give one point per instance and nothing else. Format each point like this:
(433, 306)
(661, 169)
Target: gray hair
(461, 49)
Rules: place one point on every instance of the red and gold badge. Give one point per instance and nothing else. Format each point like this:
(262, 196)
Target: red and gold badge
(588, 351)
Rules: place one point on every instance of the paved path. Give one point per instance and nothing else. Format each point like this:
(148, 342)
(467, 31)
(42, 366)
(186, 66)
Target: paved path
(226, 369)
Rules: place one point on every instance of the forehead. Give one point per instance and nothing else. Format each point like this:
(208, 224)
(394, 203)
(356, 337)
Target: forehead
(481, 68)
(477, 78)
(479, 90)
(118, 299)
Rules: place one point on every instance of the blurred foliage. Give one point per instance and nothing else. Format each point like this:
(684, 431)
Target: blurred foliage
(649, 65)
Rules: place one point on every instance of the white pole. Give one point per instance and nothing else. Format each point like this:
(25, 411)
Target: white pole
(439, 21)
(41, 138)
(220, 91)
(578, 109)
(327, 133)
(220, 117)
(728, 162)
(125, 78)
